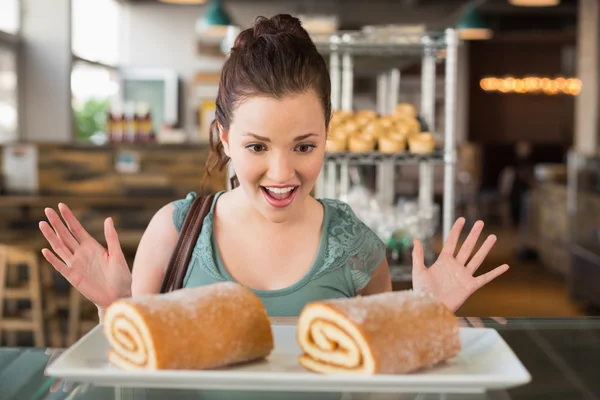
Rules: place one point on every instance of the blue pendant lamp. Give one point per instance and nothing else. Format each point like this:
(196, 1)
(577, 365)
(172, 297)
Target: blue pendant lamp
(472, 26)
(215, 15)
(214, 21)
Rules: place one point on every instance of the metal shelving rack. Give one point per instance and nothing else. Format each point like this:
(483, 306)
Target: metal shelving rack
(345, 50)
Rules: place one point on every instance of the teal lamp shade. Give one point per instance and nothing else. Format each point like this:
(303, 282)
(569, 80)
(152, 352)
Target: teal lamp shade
(472, 26)
(214, 21)
(215, 15)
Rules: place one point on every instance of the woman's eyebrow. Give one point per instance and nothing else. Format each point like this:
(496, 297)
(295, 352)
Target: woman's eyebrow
(262, 138)
(266, 139)
(299, 138)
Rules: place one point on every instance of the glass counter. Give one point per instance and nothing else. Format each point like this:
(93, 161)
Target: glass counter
(561, 354)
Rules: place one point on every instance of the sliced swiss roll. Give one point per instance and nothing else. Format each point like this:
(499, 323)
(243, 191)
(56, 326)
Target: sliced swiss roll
(196, 328)
(388, 333)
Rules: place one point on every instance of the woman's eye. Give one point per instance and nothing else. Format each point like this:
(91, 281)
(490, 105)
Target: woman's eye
(256, 148)
(305, 148)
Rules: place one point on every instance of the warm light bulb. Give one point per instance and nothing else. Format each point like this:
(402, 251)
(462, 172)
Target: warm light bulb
(475, 34)
(532, 84)
(534, 3)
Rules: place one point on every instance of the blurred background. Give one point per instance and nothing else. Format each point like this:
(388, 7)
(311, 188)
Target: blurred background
(105, 106)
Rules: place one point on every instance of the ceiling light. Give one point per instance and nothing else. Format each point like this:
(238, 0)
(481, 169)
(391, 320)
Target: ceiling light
(214, 21)
(472, 26)
(534, 3)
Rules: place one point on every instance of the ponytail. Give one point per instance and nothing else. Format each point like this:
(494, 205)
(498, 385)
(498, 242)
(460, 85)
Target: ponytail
(217, 159)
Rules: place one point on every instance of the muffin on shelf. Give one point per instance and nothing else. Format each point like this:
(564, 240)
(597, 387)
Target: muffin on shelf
(351, 126)
(361, 143)
(335, 144)
(397, 138)
(342, 115)
(370, 114)
(400, 132)
(411, 124)
(390, 145)
(421, 143)
(339, 118)
(405, 110)
(387, 121)
(364, 119)
(375, 129)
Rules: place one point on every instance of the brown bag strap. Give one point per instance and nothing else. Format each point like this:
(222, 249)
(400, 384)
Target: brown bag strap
(185, 243)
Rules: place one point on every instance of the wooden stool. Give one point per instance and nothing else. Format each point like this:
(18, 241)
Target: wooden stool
(12, 290)
(83, 316)
(53, 302)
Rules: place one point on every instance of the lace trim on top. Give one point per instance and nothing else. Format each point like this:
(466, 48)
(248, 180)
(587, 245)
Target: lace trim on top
(351, 244)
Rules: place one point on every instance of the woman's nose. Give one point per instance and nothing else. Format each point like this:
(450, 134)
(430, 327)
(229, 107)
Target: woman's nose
(281, 169)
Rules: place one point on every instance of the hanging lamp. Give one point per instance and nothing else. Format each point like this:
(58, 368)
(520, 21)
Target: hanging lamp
(214, 21)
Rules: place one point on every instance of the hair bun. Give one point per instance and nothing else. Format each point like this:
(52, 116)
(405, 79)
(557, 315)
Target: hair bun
(282, 23)
(279, 24)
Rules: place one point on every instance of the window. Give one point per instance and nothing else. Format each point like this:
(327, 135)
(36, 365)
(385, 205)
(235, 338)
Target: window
(95, 30)
(93, 89)
(8, 95)
(94, 78)
(10, 16)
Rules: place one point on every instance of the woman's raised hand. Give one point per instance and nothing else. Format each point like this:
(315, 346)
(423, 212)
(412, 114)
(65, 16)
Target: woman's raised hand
(451, 278)
(99, 274)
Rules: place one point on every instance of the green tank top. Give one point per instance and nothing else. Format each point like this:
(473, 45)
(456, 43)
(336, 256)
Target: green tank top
(348, 253)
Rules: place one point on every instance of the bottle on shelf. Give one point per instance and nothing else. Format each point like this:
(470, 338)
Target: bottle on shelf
(143, 116)
(115, 123)
(130, 122)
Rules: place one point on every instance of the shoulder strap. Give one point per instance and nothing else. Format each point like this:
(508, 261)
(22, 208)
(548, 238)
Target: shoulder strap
(185, 243)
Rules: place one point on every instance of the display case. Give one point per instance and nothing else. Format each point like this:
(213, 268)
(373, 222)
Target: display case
(584, 227)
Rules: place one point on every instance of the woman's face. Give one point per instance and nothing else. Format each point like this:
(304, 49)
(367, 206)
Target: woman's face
(277, 148)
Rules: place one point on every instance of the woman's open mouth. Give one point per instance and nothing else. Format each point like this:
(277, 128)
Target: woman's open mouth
(279, 196)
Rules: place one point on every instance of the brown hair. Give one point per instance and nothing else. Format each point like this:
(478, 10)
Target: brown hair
(275, 57)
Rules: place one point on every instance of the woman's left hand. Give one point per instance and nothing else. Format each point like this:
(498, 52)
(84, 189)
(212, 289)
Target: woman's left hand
(450, 279)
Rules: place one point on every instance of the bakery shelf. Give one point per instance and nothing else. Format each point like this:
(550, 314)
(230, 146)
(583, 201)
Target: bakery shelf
(375, 157)
(397, 48)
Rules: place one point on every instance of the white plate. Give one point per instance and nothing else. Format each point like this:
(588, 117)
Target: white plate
(485, 362)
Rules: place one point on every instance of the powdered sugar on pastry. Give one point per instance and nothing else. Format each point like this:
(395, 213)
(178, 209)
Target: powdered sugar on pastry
(196, 328)
(388, 333)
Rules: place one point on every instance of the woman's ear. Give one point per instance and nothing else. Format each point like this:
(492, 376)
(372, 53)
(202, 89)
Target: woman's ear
(224, 137)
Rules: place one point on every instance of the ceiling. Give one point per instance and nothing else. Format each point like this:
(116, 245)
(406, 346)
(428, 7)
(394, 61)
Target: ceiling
(498, 13)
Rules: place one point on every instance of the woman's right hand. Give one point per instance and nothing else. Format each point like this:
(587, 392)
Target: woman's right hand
(99, 274)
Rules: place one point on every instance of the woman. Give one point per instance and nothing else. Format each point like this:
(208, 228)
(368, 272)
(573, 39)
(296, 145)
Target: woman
(269, 234)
